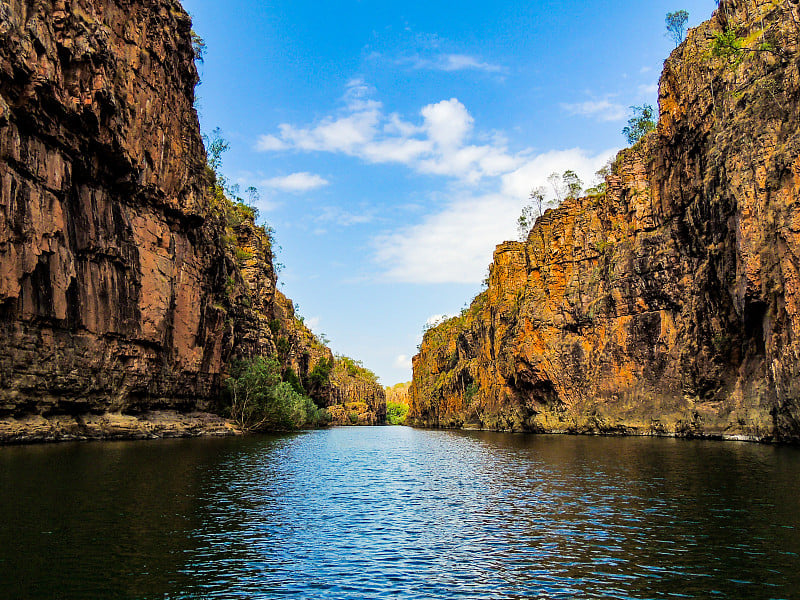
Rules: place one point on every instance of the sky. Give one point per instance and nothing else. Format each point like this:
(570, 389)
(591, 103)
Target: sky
(394, 144)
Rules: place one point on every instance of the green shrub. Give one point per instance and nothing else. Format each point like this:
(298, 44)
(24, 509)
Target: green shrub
(470, 393)
(290, 377)
(284, 346)
(258, 399)
(396, 413)
(729, 46)
(243, 255)
(353, 368)
(321, 373)
(640, 124)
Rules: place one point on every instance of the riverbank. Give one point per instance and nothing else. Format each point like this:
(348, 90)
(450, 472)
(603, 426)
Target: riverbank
(36, 429)
(113, 426)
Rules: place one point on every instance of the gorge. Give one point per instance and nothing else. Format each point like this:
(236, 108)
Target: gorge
(664, 304)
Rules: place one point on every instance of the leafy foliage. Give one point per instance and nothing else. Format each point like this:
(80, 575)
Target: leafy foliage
(600, 187)
(471, 393)
(320, 375)
(259, 399)
(676, 25)
(640, 124)
(353, 368)
(396, 412)
(729, 46)
(290, 377)
(199, 47)
(573, 184)
(531, 212)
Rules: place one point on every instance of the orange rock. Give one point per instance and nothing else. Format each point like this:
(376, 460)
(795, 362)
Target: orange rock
(669, 305)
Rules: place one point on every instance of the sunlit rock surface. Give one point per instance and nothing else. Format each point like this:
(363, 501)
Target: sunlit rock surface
(671, 304)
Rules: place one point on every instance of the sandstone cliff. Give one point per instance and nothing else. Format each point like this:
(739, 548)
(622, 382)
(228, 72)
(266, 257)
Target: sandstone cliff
(355, 397)
(126, 284)
(671, 303)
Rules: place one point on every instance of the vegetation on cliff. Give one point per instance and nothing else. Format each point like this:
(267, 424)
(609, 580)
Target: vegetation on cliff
(668, 303)
(397, 403)
(258, 399)
(355, 395)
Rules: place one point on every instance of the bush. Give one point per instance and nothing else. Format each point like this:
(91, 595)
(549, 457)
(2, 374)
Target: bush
(396, 413)
(290, 377)
(321, 373)
(344, 365)
(640, 124)
(259, 400)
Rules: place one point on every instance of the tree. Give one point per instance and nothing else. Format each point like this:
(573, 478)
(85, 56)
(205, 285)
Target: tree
(260, 400)
(676, 25)
(530, 213)
(573, 184)
(556, 182)
(599, 189)
(199, 47)
(216, 146)
(640, 124)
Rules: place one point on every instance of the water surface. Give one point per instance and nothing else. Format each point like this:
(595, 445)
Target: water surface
(394, 512)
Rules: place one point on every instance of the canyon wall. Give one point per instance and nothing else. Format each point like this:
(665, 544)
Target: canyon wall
(126, 283)
(670, 304)
(354, 395)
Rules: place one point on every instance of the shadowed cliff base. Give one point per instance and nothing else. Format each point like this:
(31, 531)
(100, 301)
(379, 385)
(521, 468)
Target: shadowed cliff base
(668, 303)
(130, 279)
(113, 426)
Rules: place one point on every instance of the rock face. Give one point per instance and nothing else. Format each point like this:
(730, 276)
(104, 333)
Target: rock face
(355, 397)
(398, 393)
(671, 303)
(125, 285)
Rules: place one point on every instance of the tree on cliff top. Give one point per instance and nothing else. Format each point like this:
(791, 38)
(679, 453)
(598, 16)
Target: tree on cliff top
(530, 213)
(199, 47)
(676, 25)
(640, 124)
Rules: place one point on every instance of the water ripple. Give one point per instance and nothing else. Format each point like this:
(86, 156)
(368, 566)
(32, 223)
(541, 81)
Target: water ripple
(400, 513)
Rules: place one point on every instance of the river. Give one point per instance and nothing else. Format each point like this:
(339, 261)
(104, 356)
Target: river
(394, 512)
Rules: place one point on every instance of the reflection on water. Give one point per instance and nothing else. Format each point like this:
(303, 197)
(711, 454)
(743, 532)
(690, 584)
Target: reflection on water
(400, 513)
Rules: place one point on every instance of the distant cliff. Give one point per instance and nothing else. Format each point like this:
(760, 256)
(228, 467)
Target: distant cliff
(355, 397)
(670, 304)
(126, 285)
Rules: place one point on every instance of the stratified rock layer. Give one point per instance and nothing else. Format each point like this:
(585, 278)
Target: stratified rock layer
(125, 285)
(671, 304)
(355, 397)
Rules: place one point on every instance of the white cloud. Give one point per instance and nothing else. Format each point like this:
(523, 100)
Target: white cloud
(313, 323)
(435, 320)
(403, 361)
(268, 143)
(334, 214)
(536, 170)
(453, 62)
(447, 123)
(296, 182)
(454, 243)
(604, 110)
(648, 90)
(436, 146)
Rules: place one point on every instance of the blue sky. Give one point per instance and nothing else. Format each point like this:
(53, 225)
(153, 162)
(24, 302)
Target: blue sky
(395, 143)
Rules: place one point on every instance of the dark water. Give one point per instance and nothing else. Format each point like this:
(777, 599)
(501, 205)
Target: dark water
(399, 513)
